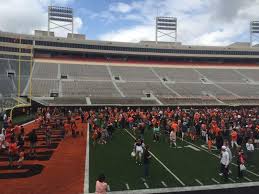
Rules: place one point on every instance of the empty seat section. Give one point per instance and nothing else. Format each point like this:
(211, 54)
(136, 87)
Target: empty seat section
(248, 90)
(44, 87)
(87, 72)
(134, 73)
(6, 86)
(137, 89)
(252, 74)
(89, 88)
(178, 74)
(222, 75)
(45, 70)
(197, 89)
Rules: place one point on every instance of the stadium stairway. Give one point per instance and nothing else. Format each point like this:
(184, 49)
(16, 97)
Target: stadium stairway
(56, 169)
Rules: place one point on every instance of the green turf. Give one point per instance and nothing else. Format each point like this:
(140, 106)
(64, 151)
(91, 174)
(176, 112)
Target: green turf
(20, 119)
(114, 160)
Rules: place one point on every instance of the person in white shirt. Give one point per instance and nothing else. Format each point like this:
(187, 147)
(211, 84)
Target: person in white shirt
(2, 140)
(250, 151)
(224, 162)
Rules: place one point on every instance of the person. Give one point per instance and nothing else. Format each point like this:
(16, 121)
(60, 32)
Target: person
(48, 135)
(224, 162)
(146, 158)
(139, 145)
(21, 137)
(240, 161)
(184, 128)
(156, 132)
(234, 138)
(21, 157)
(12, 151)
(209, 144)
(173, 138)
(2, 141)
(250, 150)
(33, 141)
(101, 186)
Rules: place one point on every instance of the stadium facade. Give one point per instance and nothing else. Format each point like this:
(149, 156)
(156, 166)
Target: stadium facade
(86, 72)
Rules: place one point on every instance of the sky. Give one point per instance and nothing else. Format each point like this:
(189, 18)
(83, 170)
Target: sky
(200, 22)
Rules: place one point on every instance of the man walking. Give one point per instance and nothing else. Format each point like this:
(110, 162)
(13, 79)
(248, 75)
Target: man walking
(224, 162)
(146, 158)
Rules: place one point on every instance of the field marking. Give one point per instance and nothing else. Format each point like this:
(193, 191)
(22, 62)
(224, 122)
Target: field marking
(163, 183)
(108, 188)
(189, 188)
(206, 147)
(193, 148)
(86, 180)
(199, 182)
(127, 186)
(215, 181)
(218, 156)
(247, 179)
(232, 180)
(146, 185)
(159, 161)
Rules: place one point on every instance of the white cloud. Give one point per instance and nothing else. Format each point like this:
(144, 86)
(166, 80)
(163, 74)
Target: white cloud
(205, 22)
(120, 7)
(134, 34)
(17, 16)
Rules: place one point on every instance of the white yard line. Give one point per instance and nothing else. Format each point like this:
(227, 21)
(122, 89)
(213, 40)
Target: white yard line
(160, 162)
(86, 180)
(146, 185)
(198, 181)
(247, 179)
(232, 180)
(127, 186)
(163, 183)
(215, 181)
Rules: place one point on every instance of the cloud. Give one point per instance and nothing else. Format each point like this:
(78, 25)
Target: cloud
(17, 16)
(134, 34)
(205, 22)
(120, 7)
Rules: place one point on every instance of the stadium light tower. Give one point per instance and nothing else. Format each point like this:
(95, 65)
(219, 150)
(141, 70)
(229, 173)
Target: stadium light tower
(254, 32)
(60, 14)
(166, 26)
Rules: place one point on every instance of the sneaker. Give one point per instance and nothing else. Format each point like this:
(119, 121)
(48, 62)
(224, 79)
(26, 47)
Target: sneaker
(220, 174)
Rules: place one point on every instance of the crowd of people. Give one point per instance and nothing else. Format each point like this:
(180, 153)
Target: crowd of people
(228, 129)
(18, 143)
(233, 131)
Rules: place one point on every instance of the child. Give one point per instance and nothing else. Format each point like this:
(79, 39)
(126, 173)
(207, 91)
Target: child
(21, 158)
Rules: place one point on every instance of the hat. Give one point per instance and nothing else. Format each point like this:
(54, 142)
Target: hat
(223, 147)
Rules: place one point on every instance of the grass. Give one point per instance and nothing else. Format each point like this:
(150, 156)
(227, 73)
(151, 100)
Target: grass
(21, 119)
(114, 160)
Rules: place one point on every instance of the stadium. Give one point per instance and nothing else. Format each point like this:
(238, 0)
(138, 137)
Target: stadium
(90, 102)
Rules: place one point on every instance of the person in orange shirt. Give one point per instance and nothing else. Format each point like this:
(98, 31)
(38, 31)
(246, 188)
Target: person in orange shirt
(234, 138)
(209, 144)
(174, 126)
(12, 151)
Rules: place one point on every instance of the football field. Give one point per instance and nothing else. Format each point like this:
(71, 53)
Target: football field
(188, 167)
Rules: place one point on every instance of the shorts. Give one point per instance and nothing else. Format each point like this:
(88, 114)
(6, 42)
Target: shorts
(21, 159)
